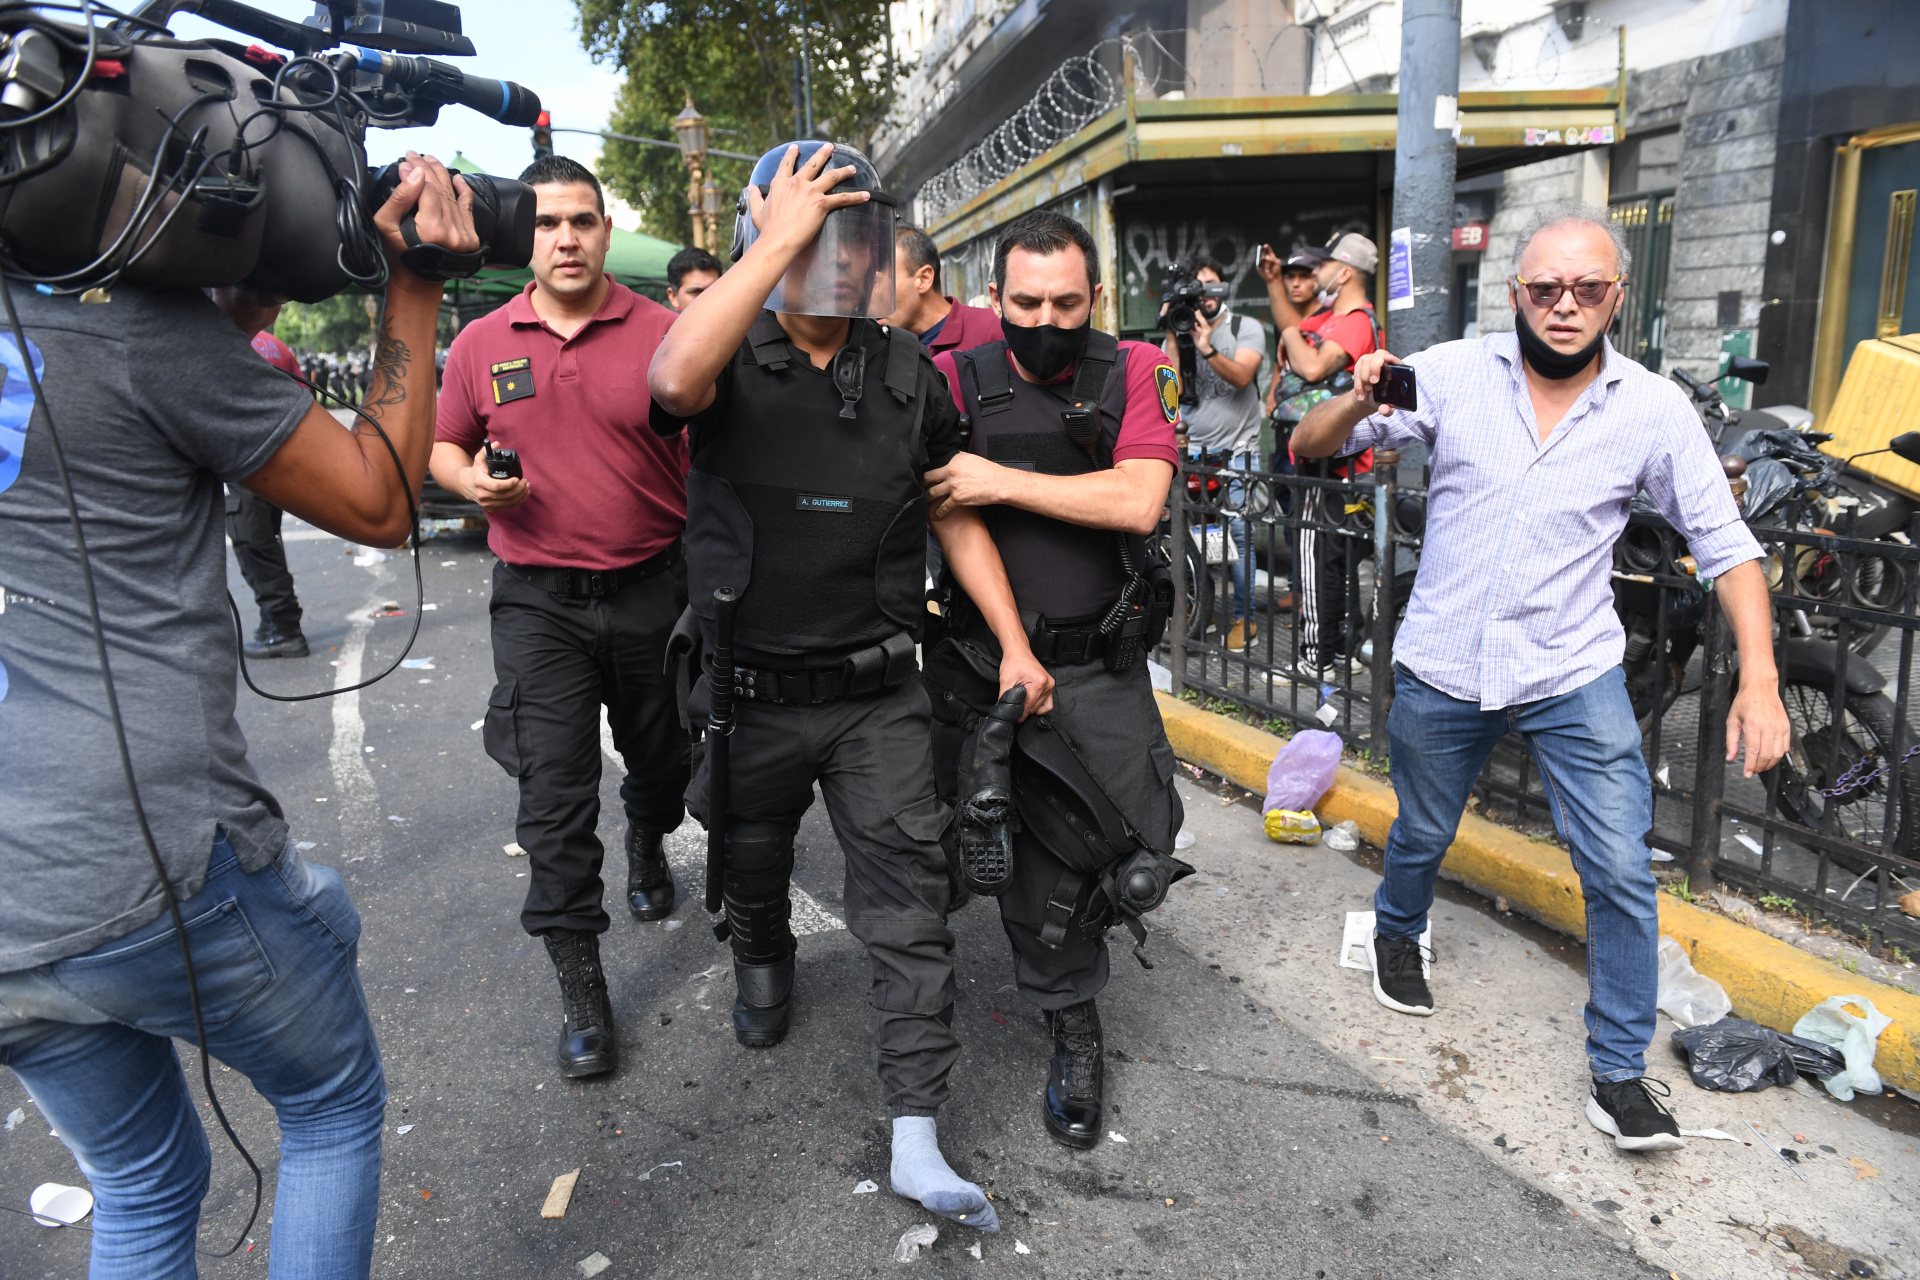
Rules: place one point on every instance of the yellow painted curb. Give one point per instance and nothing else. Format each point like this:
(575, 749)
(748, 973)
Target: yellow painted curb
(1771, 982)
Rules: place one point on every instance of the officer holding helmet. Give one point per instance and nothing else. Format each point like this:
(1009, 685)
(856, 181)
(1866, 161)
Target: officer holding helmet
(810, 428)
(1070, 456)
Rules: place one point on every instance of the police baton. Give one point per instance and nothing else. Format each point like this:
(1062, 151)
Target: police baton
(719, 741)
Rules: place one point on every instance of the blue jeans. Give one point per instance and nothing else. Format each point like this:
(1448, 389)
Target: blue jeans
(275, 955)
(1234, 496)
(1588, 748)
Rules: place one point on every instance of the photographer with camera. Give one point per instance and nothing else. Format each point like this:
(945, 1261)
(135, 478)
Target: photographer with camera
(1540, 439)
(590, 581)
(157, 398)
(1292, 296)
(1316, 363)
(690, 273)
(1222, 406)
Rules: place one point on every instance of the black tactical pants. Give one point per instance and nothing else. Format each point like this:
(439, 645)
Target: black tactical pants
(557, 662)
(1116, 727)
(872, 761)
(253, 525)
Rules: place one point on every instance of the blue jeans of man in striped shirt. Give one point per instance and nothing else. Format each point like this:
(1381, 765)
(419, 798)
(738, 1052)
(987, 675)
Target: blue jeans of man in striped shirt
(1587, 746)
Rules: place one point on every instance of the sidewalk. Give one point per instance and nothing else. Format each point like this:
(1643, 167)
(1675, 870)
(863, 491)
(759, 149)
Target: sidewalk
(1501, 1064)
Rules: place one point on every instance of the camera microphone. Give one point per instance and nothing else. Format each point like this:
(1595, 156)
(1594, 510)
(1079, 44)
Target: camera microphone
(505, 101)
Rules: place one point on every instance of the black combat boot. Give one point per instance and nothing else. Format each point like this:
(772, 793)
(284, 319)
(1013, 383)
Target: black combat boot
(764, 1006)
(649, 882)
(277, 644)
(1074, 1086)
(588, 1046)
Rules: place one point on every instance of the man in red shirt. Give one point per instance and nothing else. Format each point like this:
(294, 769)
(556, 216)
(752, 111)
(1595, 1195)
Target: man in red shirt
(939, 322)
(253, 523)
(1070, 458)
(590, 582)
(1319, 353)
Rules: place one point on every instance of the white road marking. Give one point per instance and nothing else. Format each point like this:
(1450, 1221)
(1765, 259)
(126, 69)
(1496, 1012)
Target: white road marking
(687, 855)
(360, 826)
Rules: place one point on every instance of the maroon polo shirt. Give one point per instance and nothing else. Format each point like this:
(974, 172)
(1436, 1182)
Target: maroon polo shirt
(606, 491)
(966, 328)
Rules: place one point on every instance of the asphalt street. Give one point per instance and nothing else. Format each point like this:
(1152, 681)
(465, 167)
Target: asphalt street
(1238, 1145)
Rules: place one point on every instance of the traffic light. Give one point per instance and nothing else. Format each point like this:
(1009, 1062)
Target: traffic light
(542, 136)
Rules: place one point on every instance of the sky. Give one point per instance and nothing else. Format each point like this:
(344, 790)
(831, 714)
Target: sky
(533, 42)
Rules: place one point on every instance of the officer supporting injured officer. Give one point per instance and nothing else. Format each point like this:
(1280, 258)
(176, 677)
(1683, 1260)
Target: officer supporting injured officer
(586, 522)
(1071, 454)
(811, 429)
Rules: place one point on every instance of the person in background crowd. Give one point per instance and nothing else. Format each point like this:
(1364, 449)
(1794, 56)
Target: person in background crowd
(1223, 430)
(590, 582)
(253, 523)
(1292, 296)
(921, 309)
(1318, 355)
(1539, 440)
(690, 273)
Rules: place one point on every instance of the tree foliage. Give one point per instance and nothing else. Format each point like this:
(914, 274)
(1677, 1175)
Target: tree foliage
(737, 59)
(339, 324)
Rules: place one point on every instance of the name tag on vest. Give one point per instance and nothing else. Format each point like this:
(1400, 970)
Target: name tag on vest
(512, 380)
(822, 502)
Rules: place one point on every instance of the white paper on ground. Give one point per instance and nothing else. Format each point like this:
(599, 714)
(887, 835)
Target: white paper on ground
(865, 1187)
(55, 1204)
(1356, 944)
(1715, 1134)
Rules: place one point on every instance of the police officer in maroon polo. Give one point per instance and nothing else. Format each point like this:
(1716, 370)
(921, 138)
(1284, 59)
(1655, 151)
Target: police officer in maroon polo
(920, 308)
(1072, 449)
(589, 583)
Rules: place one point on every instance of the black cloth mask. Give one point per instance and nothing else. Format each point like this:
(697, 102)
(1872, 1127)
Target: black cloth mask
(1547, 361)
(1046, 351)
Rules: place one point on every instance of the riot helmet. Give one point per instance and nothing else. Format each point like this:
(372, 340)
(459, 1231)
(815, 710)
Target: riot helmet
(848, 269)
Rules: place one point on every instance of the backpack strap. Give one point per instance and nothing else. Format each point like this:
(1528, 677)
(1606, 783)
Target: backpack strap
(992, 380)
(904, 354)
(769, 345)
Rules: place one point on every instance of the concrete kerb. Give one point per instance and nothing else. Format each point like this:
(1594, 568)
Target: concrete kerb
(1770, 982)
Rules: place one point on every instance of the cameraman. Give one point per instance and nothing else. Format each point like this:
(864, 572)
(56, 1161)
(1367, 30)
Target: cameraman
(158, 399)
(588, 586)
(690, 273)
(1223, 430)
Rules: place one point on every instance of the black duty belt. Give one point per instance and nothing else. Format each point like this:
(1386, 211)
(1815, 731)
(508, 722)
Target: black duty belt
(886, 665)
(588, 584)
(1052, 645)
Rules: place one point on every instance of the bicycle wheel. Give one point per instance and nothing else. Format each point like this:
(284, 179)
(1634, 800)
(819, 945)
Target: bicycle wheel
(1866, 747)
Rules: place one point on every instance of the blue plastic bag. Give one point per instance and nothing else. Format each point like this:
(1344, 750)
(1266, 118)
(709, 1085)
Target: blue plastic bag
(1303, 771)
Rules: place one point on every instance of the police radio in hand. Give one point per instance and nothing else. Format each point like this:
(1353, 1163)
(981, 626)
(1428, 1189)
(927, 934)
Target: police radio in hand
(502, 464)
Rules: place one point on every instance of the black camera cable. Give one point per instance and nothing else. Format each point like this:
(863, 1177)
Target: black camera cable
(126, 766)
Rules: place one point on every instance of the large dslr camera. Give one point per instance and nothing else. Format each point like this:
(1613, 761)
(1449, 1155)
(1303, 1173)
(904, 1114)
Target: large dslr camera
(127, 154)
(1186, 291)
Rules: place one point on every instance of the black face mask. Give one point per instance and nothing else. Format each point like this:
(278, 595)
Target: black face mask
(1046, 351)
(1548, 361)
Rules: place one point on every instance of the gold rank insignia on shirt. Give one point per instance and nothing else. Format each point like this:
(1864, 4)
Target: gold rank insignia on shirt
(512, 380)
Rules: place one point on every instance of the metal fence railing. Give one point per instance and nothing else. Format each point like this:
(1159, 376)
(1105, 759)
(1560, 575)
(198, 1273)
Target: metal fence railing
(1829, 833)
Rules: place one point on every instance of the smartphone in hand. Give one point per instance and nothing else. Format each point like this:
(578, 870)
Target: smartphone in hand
(1397, 387)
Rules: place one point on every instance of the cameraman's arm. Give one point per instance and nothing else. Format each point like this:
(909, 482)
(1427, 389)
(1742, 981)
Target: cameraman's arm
(344, 481)
(698, 346)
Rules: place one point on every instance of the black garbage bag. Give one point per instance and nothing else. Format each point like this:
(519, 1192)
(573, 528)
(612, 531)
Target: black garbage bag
(1737, 1056)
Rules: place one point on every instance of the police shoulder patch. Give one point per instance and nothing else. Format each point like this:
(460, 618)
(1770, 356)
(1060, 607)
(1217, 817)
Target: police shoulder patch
(1167, 383)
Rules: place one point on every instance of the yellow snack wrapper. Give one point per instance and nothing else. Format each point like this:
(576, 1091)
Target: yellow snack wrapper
(1293, 826)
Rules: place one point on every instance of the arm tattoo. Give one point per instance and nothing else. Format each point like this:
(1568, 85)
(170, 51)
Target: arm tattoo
(390, 363)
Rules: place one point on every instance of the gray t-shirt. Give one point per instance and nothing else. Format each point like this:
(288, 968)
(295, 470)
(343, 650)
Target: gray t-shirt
(1227, 417)
(158, 399)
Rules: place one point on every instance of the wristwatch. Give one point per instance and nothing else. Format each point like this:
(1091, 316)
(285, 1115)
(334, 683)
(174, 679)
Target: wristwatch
(1209, 353)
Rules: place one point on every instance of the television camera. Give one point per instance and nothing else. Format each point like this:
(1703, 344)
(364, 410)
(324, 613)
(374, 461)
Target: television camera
(128, 154)
(1186, 293)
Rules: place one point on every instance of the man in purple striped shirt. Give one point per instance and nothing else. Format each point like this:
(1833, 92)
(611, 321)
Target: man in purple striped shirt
(1539, 440)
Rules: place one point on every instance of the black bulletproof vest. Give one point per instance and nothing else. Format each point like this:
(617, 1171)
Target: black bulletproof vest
(1066, 572)
(809, 502)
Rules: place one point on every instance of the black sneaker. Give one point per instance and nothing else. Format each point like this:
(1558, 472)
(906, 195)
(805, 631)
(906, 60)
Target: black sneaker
(277, 645)
(1399, 976)
(1637, 1120)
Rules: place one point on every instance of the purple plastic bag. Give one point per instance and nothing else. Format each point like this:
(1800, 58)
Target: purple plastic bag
(1303, 771)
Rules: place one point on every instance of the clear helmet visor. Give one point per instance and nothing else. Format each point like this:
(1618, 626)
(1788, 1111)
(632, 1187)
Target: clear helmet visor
(848, 269)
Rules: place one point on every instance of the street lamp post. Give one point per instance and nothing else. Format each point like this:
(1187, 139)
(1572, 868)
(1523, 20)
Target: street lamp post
(690, 127)
(710, 209)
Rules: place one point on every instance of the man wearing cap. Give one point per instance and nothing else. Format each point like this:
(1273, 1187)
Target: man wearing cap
(1318, 353)
(921, 309)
